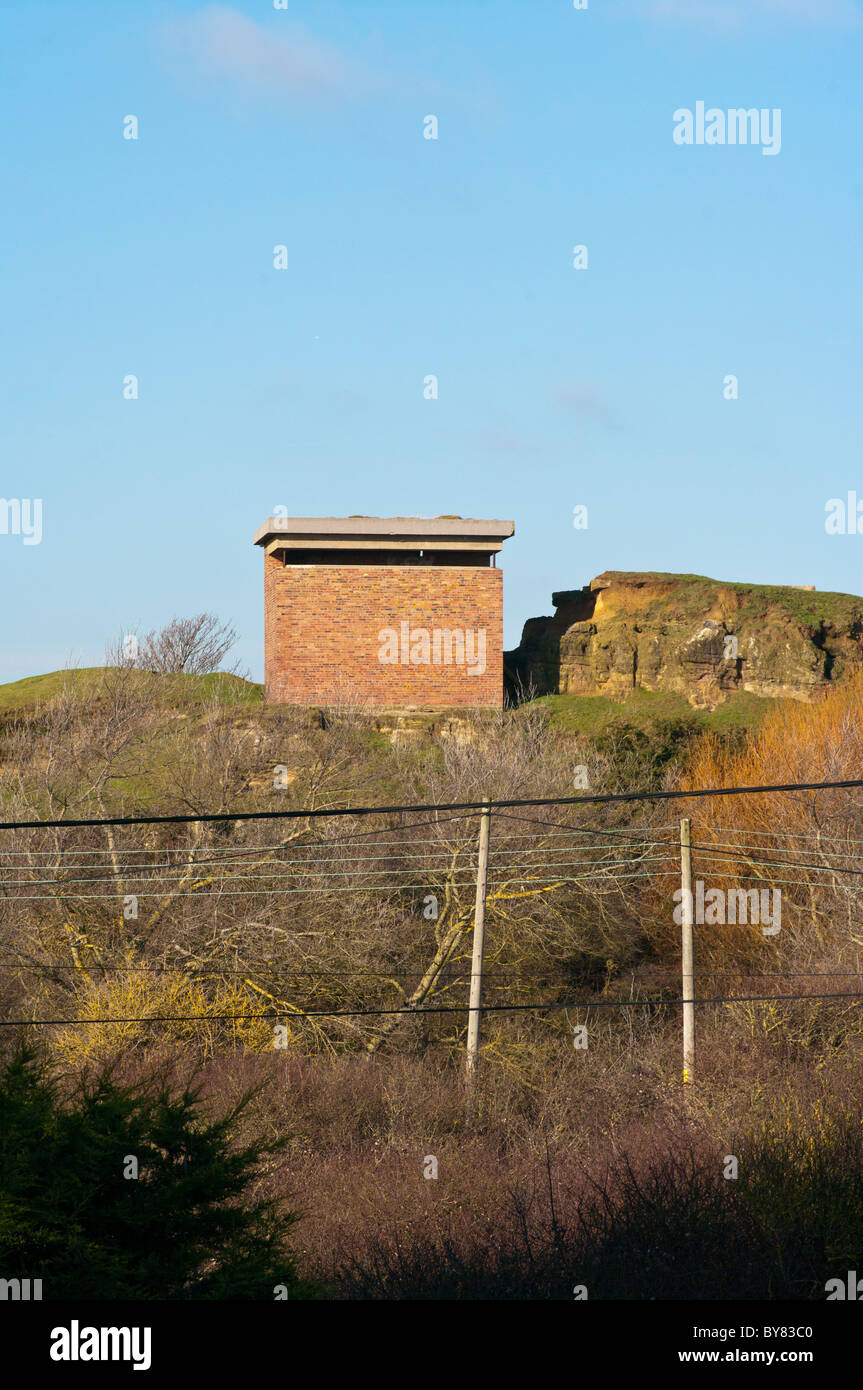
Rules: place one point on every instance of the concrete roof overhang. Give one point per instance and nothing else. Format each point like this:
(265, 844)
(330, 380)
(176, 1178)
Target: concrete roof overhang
(382, 533)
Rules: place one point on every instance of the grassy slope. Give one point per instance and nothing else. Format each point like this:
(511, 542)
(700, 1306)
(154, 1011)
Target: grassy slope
(592, 714)
(576, 714)
(36, 690)
(756, 600)
(663, 719)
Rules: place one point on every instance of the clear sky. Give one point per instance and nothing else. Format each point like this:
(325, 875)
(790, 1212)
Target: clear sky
(304, 387)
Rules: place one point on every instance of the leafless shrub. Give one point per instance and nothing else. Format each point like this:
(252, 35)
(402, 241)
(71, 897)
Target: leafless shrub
(192, 646)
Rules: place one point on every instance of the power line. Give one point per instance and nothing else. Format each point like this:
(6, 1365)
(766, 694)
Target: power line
(779, 834)
(588, 829)
(454, 806)
(770, 974)
(153, 873)
(743, 847)
(433, 1009)
(299, 971)
(228, 854)
(333, 889)
(775, 863)
(460, 813)
(738, 876)
(512, 972)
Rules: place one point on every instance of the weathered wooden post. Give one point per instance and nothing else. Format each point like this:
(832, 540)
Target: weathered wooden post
(478, 944)
(687, 952)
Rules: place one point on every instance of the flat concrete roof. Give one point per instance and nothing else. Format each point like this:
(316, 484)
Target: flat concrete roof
(385, 532)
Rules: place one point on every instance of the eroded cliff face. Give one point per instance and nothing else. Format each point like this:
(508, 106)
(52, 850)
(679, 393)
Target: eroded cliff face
(692, 636)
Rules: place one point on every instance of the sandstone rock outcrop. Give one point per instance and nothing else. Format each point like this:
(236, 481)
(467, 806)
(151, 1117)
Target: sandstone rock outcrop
(689, 635)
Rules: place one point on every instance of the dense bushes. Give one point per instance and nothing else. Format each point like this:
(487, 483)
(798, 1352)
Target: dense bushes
(573, 1168)
(570, 1171)
(124, 1191)
(666, 1224)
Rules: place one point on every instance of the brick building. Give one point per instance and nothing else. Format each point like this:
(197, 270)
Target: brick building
(396, 612)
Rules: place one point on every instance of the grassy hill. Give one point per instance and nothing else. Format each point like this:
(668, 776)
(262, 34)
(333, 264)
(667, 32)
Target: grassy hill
(32, 691)
(658, 716)
(695, 593)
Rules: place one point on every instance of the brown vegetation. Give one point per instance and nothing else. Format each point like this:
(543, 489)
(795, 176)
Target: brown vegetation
(285, 919)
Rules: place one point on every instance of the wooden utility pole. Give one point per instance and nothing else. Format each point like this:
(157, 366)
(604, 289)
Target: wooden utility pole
(478, 944)
(687, 952)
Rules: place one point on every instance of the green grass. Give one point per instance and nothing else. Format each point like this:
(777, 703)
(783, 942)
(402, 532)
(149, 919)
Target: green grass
(38, 690)
(697, 593)
(647, 710)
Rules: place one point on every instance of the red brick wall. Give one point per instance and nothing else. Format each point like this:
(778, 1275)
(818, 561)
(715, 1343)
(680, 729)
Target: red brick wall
(323, 623)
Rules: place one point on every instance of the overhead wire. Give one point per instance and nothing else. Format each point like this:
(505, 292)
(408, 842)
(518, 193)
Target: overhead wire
(426, 1009)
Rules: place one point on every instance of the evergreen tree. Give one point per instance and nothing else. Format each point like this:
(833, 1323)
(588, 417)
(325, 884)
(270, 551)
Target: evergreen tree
(185, 1228)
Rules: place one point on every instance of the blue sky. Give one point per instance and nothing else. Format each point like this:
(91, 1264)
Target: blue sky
(407, 257)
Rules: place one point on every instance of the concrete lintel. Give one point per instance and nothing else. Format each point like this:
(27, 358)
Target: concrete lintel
(375, 532)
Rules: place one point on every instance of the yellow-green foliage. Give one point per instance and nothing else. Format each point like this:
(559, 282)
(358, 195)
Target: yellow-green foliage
(203, 1016)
